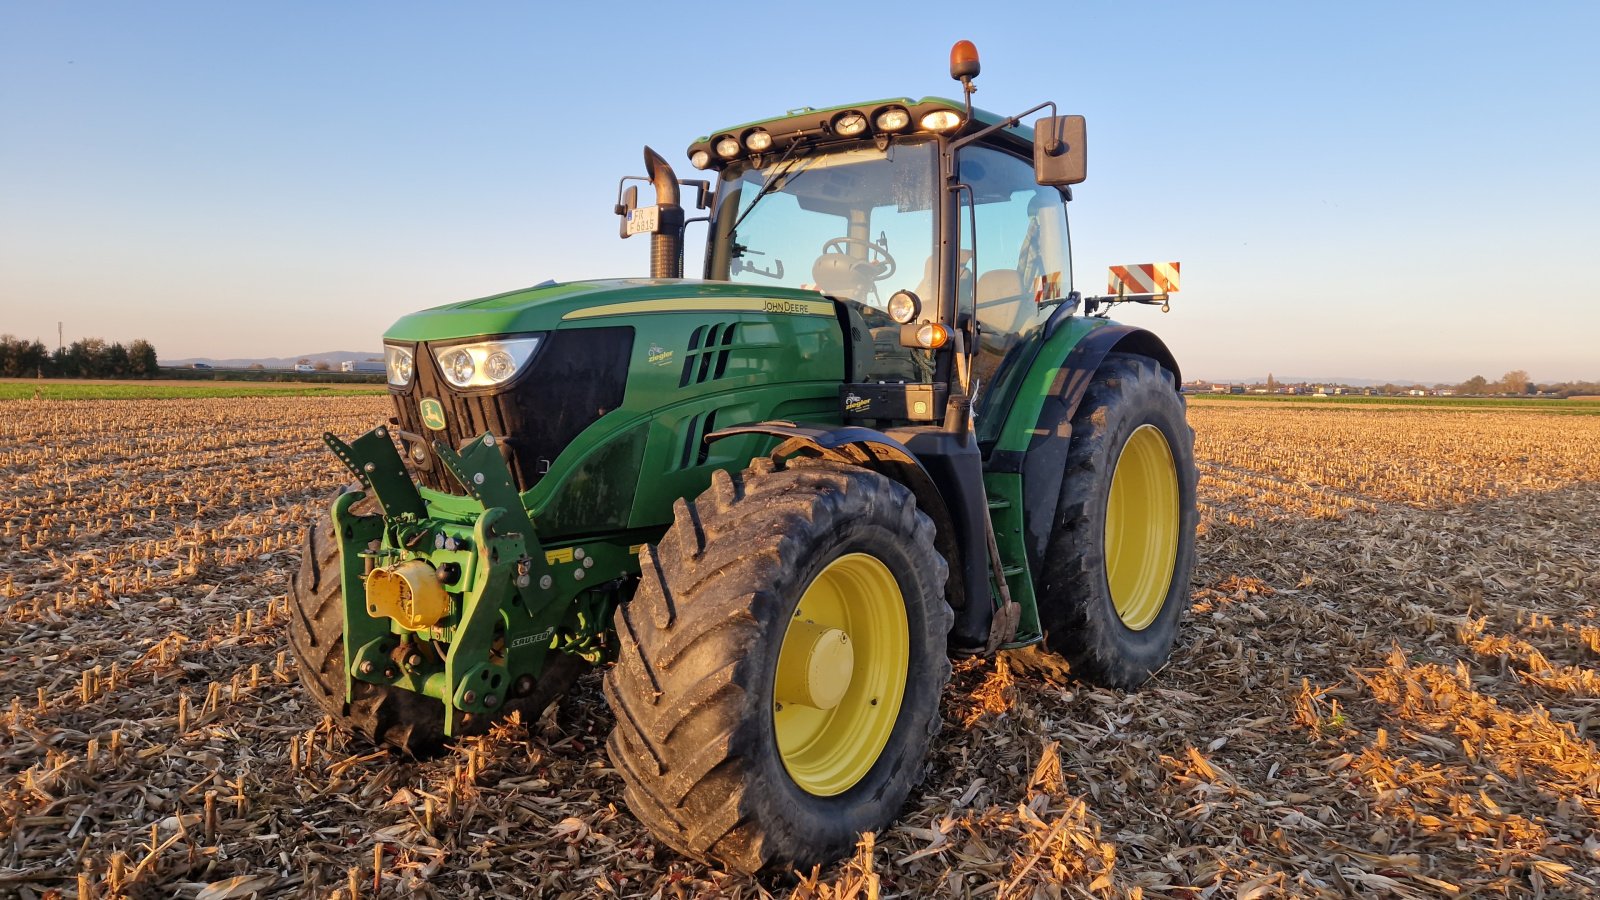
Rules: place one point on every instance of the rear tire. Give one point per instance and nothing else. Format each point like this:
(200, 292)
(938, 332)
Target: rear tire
(1113, 592)
(706, 658)
(407, 721)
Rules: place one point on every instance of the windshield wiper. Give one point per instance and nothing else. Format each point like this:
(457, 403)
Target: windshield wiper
(768, 185)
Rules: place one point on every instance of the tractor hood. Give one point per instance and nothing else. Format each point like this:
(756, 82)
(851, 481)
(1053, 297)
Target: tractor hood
(547, 306)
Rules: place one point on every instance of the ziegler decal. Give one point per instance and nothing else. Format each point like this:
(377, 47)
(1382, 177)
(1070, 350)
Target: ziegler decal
(659, 356)
(853, 403)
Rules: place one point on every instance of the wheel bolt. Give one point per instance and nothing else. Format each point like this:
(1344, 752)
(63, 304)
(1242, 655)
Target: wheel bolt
(414, 660)
(470, 697)
(389, 672)
(367, 667)
(491, 701)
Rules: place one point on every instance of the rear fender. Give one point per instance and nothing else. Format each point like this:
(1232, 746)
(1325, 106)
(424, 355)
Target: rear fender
(1037, 430)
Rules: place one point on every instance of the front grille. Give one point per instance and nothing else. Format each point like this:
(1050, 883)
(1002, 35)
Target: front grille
(576, 377)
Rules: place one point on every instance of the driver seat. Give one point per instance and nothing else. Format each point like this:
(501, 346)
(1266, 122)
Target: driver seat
(842, 276)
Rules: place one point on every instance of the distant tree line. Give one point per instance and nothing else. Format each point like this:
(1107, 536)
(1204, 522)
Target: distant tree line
(87, 358)
(1517, 381)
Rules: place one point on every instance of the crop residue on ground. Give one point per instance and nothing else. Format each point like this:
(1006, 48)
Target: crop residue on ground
(1388, 686)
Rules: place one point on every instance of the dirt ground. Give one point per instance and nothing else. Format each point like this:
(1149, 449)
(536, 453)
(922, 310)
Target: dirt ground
(1388, 685)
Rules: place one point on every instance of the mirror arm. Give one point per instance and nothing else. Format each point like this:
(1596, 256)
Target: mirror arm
(1012, 122)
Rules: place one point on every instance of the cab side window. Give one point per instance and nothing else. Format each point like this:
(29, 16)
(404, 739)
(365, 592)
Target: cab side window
(1019, 255)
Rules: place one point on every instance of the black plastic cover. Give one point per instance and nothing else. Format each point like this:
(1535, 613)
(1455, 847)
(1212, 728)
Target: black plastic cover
(575, 377)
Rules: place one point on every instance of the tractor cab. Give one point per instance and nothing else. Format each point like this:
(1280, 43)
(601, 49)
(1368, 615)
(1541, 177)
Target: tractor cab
(937, 228)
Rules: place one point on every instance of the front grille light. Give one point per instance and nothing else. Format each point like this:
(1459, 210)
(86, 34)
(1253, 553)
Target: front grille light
(485, 364)
(400, 365)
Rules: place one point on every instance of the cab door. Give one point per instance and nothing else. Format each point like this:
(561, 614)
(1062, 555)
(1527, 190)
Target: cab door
(1017, 263)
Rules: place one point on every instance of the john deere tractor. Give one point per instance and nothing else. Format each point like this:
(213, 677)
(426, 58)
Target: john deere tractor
(881, 430)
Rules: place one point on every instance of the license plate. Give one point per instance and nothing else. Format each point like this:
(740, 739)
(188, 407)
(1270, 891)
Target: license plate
(645, 220)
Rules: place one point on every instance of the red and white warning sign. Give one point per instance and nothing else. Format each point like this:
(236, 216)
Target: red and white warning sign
(1144, 278)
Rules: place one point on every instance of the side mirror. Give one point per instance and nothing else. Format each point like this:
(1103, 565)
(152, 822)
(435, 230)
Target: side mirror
(1060, 151)
(625, 208)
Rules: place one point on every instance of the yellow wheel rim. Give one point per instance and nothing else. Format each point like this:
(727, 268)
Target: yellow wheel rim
(1142, 527)
(841, 675)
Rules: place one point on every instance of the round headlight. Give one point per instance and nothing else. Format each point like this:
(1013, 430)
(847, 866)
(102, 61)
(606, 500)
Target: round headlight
(850, 124)
(904, 306)
(458, 365)
(727, 147)
(758, 140)
(499, 366)
(700, 159)
(942, 120)
(893, 119)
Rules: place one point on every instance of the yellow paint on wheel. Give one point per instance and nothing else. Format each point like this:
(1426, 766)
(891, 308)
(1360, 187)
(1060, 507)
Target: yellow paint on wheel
(1141, 539)
(841, 674)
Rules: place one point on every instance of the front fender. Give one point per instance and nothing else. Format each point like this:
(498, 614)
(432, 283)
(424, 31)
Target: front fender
(942, 471)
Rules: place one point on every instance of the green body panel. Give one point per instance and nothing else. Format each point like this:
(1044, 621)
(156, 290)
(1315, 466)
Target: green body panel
(1011, 414)
(547, 306)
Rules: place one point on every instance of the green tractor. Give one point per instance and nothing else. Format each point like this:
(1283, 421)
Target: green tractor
(882, 430)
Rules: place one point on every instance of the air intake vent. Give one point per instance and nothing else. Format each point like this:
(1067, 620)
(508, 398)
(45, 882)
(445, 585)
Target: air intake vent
(706, 358)
(695, 450)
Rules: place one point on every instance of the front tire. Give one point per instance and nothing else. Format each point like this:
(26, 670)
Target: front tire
(1116, 577)
(781, 665)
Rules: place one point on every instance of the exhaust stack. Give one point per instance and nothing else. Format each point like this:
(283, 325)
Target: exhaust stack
(666, 243)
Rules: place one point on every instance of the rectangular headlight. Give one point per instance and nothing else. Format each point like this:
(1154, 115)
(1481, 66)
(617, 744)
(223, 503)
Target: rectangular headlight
(400, 365)
(485, 364)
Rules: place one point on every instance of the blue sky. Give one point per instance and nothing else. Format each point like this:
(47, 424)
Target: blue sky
(1398, 190)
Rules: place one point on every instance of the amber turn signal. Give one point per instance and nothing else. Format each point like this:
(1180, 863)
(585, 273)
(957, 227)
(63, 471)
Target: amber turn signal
(928, 335)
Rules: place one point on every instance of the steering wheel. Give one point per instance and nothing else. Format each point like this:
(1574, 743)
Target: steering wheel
(884, 263)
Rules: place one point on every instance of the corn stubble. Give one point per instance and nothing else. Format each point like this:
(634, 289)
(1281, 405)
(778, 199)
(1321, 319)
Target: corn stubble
(1388, 686)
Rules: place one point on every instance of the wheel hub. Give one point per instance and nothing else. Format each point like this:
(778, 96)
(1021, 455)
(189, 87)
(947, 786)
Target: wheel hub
(815, 667)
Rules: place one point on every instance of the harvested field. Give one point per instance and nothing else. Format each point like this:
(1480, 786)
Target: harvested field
(1388, 686)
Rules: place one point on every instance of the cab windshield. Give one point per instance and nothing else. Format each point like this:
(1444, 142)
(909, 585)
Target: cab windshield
(855, 224)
